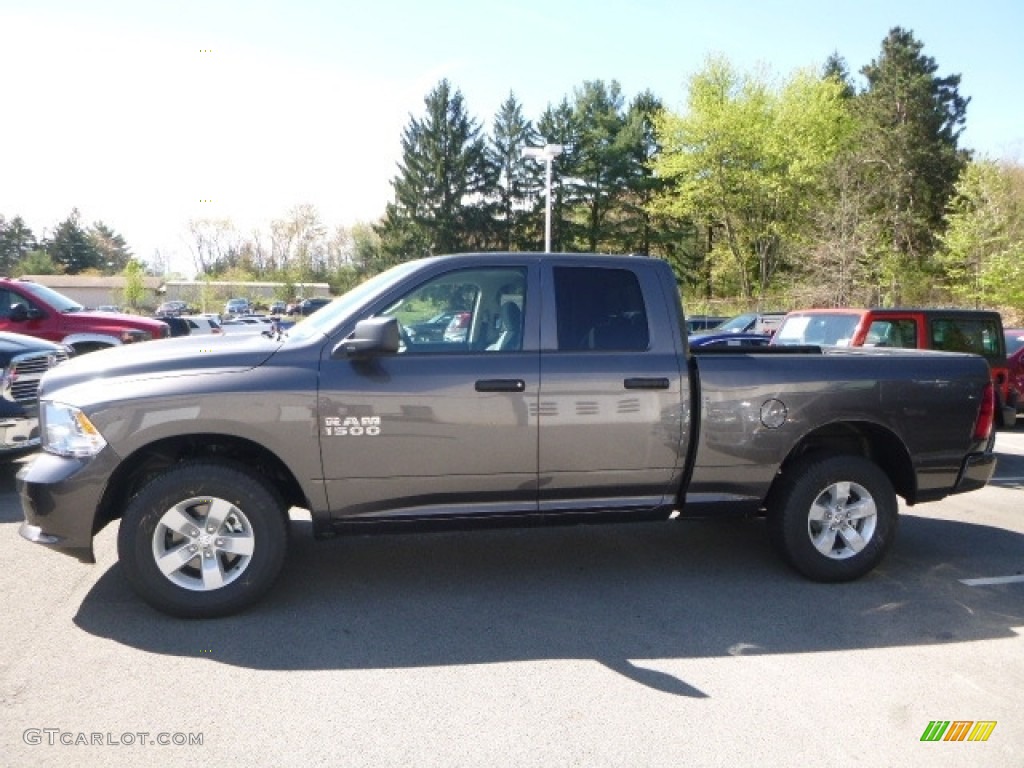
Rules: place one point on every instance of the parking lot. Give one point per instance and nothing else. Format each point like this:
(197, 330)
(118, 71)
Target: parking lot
(679, 644)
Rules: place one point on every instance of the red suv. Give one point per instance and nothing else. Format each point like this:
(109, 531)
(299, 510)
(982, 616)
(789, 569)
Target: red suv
(952, 330)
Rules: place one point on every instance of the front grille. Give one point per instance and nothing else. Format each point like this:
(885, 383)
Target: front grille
(24, 372)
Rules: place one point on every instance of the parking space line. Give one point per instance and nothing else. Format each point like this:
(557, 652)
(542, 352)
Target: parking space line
(993, 580)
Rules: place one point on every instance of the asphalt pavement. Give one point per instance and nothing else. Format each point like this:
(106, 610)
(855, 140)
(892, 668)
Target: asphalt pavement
(675, 644)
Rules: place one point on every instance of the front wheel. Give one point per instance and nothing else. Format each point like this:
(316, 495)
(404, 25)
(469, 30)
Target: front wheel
(205, 539)
(833, 519)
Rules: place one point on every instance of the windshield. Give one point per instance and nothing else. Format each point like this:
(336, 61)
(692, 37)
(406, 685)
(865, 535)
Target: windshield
(1014, 341)
(738, 324)
(324, 320)
(830, 330)
(58, 301)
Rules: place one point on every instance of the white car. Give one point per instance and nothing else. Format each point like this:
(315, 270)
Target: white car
(248, 324)
(200, 324)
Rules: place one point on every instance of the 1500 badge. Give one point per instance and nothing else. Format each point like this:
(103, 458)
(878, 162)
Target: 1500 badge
(351, 426)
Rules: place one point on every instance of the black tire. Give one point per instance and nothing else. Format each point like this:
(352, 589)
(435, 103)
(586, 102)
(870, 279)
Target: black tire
(169, 520)
(833, 518)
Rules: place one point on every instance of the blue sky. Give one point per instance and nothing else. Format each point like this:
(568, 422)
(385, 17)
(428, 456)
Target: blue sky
(138, 113)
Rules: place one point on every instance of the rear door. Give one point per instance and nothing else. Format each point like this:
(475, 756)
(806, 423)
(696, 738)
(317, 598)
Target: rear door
(611, 405)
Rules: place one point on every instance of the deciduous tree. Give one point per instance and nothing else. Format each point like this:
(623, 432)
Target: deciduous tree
(983, 245)
(747, 160)
(16, 242)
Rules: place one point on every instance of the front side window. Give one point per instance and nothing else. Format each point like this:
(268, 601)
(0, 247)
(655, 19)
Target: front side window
(469, 310)
(600, 309)
(10, 299)
(892, 333)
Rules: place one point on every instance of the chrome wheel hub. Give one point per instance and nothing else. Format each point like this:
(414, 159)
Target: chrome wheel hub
(842, 520)
(203, 543)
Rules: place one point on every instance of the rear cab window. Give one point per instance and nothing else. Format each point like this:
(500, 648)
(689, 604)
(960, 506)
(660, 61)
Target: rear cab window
(600, 310)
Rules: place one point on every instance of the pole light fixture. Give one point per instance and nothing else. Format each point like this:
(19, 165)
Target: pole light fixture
(547, 153)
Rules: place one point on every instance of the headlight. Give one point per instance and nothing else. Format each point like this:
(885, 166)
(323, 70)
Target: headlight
(132, 336)
(66, 431)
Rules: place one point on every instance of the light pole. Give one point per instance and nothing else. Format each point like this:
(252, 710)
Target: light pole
(547, 153)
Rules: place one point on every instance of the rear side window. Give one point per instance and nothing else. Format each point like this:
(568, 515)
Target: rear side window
(600, 309)
(980, 336)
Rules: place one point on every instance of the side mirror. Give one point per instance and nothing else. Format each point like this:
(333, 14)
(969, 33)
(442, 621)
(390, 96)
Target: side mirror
(374, 336)
(18, 313)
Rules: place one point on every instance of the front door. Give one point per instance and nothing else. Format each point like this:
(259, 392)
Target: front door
(447, 427)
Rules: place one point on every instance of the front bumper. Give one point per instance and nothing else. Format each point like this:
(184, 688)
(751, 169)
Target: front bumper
(60, 498)
(18, 433)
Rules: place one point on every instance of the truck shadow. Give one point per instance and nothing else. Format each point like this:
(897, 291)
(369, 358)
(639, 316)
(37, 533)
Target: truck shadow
(617, 594)
(1009, 471)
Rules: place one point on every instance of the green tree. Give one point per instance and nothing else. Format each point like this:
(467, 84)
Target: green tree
(633, 227)
(747, 161)
(367, 252)
(601, 158)
(441, 181)
(16, 242)
(37, 262)
(835, 69)
(911, 121)
(513, 181)
(71, 247)
(112, 251)
(134, 291)
(983, 245)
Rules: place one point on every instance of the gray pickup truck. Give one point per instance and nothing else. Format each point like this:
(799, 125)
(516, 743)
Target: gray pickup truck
(563, 390)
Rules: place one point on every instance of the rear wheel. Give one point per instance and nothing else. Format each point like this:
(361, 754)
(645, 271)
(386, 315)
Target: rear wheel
(204, 539)
(834, 518)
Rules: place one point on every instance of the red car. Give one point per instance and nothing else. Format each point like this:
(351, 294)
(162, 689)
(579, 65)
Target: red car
(1015, 363)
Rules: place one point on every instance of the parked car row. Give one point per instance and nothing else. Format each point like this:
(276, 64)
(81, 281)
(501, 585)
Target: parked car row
(239, 307)
(188, 325)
